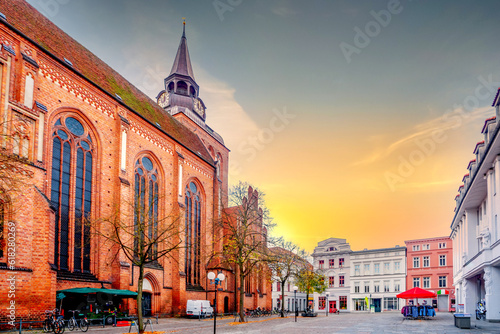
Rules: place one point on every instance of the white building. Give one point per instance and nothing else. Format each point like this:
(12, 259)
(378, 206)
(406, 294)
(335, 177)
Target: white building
(289, 298)
(377, 276)
(475, 227)
(332, 257)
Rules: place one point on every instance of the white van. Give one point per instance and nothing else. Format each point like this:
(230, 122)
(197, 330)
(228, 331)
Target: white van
(195, 308)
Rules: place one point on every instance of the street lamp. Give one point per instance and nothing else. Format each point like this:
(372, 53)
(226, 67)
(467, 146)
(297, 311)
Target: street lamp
(216, 280)
(327, 294)
(295, 288)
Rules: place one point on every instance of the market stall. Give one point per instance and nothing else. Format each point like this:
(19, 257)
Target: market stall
(415, 310)
(101, 304)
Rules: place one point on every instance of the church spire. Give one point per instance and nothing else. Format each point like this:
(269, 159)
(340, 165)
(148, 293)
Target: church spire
(182, 62)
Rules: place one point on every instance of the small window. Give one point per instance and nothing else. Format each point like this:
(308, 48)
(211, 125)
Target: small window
(442, 260)
(416, 262)
(442, 281)
(416, 282)
(341, 262)
(416, 247)
(321, 263)
(426, 262)
(341, 280)
(331, 280)
(426, 282)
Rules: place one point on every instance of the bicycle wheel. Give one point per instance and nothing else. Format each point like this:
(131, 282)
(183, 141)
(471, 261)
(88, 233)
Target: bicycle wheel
(71, 324)
(46, 326)
(57, 328)
(84, 325)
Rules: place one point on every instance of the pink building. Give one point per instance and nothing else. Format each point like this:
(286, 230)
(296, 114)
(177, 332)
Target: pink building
(430, 267)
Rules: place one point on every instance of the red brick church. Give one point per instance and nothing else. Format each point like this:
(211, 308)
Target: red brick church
(91, 141)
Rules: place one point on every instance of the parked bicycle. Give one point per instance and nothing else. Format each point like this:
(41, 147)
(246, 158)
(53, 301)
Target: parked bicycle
(54, 322)
(83, 324)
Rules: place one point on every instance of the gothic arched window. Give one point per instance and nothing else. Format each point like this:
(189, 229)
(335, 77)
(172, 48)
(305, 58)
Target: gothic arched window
(193, 234)
(71, 193)
(146, 206)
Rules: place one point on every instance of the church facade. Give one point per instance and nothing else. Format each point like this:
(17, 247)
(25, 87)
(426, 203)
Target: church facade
(90, 143)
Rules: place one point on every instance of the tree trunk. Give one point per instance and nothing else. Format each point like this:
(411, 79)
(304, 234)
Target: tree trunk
(242, 296)
(282, 299)
(139, 300)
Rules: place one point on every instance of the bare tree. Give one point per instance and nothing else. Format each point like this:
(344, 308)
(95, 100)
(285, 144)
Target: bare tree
(243, 228)
(143, 237)
(14, 170)
(285, 260)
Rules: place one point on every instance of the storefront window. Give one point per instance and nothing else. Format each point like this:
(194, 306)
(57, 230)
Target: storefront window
(343, 302)
(359, 304)
(321, 303)
(391, 303)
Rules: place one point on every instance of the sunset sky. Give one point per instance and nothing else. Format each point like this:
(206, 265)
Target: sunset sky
(356, 118)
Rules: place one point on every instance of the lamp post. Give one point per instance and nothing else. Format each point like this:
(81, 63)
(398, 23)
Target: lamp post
(327, 294)
(216, 280)
(295, 288)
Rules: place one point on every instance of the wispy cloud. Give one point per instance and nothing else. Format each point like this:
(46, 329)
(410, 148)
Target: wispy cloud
(284, 11)
(449, 121)
(224, 114)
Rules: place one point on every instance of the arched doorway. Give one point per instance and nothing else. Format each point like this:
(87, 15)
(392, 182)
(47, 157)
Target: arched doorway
(226, 304)
(147, 298)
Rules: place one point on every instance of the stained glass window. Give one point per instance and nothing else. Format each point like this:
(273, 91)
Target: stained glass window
(193, 235)
(146, 207)
(72, 163)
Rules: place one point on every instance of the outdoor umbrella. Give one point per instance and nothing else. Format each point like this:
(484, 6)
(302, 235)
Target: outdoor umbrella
(60, 296)
(416, 293)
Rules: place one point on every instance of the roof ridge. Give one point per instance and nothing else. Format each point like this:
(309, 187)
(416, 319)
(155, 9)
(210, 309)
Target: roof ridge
(52, 40)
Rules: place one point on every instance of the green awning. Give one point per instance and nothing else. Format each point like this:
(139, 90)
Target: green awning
(115, 292)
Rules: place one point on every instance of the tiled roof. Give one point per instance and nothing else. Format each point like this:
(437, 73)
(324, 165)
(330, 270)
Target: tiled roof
(52, 40)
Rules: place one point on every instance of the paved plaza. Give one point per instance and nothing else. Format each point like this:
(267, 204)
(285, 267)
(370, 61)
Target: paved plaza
(389, 322)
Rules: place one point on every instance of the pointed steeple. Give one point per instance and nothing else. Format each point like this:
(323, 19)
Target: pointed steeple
(182, 62)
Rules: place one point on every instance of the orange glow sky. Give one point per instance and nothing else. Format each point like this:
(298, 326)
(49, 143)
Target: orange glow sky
(351, 122)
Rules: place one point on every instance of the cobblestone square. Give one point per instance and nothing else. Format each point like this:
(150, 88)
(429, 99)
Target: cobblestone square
(359, 323)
